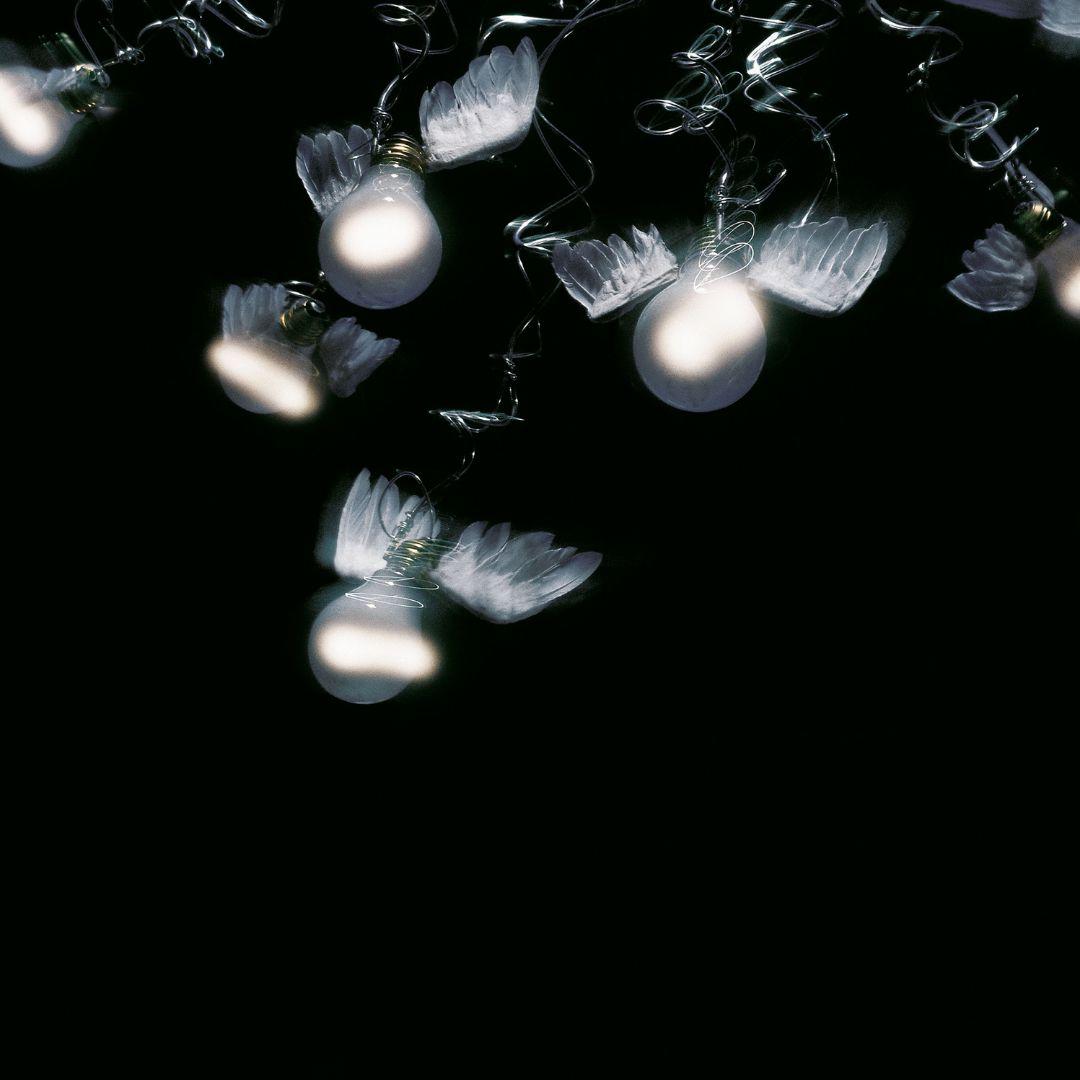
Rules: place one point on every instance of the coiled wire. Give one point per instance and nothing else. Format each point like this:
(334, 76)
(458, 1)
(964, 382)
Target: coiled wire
(418, 18)
(185, 25)
(968, 124)
(409, 560)
(773, 58)
(535, 233)
(699, 104)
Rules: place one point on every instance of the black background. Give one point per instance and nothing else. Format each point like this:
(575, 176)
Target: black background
(876, 536)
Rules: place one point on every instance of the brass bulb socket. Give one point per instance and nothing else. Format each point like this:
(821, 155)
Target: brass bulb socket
(403, 150)
(305, 322)
(1037, 224)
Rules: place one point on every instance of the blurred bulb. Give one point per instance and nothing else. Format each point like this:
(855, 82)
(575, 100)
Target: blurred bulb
(1061, 261)
(33, 127)
(264, 378)
(700, 351)
(364, 649)
(380, 247)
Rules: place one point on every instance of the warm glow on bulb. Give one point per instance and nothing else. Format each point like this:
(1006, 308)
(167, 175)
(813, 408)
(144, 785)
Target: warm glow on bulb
(1061, 262)
(32, 128)
(364, 648)
(378, 236)
(700, 351)
(1069, 294)
(262, 379)
(380, 247)
(360, 650)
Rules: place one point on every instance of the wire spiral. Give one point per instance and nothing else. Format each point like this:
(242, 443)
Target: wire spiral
(535, 233)
(409, 57)
(768, 61)
(409, 560)
(968, 124)
(696, 105)
(185, 25)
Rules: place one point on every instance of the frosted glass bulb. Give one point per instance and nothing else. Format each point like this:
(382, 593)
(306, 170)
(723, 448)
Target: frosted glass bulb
(364, 649)
(1061, 261)
(700, 351)
(380, 247)
(33, 127)
(263, 377)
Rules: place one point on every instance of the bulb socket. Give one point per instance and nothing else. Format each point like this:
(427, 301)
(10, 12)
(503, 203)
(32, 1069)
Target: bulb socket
(83, 93)
(304, 322)
(418, 555)
(1037, 224)
(403, 150)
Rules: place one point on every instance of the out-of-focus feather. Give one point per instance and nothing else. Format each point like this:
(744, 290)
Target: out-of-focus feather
(350, 354)
(371, 515)
(505, 578)
(1008, 9)
(1000, 275)
(331, 163)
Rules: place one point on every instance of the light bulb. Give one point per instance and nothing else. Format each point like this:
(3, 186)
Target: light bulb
(380, 247)
(264, 377)
(365, 647)
(700, 350)
(1061, 261)
(33, 126)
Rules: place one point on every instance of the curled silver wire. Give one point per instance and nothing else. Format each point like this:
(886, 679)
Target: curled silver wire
(701, 97)
(185, 24)
(408, 560)
(967, 125)
(696, 105)
(794, 25)
(417, 18)
(534, 233)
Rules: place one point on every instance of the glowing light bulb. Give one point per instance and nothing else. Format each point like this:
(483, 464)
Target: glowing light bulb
(262, 377)
(1061, 261)
(380, 247)
(700, 351)
(365, 647)
(33, 126)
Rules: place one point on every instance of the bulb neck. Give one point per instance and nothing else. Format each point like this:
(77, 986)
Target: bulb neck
(304, 322)
(82, 92)
(401, 150)
(1037, 224)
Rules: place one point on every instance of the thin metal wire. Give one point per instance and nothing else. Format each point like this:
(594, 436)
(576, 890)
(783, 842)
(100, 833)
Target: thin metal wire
(968, 124)
(409, 560)
(698, 104)
(534, 233)
(409, 57)
(185, 24)
(794, 25)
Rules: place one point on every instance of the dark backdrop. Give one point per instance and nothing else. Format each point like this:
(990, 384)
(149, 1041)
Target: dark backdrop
(872, 538)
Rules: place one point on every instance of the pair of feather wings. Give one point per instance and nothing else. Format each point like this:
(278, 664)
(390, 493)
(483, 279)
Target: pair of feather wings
(495, 574)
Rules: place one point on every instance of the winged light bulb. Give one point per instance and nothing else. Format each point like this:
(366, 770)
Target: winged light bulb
(39, 109)
(367, 645)
(380, 247)
(270, 338)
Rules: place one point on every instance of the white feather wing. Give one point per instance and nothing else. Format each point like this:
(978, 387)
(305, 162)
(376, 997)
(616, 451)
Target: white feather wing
(505, 578)
(1000, 275)
(488, 111)
(330, 165)
(370, 517)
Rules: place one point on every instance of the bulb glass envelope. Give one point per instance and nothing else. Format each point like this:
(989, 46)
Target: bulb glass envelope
(34, 126)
